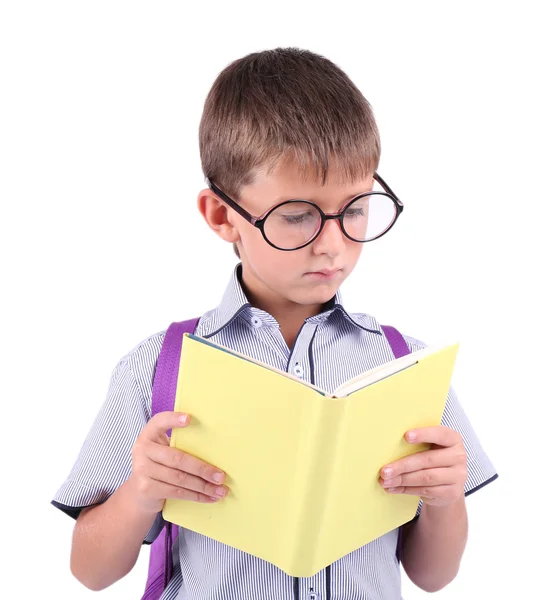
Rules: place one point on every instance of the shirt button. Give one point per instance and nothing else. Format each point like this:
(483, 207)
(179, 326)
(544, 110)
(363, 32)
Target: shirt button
(298, 370)
(314, 596)
(256, 322)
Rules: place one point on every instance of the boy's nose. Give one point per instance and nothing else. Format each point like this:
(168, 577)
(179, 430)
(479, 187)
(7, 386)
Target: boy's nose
(331, 240)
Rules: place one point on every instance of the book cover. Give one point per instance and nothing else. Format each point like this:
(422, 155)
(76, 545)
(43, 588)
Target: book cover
(302, 466)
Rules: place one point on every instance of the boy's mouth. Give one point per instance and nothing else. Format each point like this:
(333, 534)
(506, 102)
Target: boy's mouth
(323, 274)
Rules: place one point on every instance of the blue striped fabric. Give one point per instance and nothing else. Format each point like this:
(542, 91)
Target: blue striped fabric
(331, 348)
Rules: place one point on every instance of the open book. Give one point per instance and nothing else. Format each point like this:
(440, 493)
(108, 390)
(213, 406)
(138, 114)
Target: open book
(302, 464)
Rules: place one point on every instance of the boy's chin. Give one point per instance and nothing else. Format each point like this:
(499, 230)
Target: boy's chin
(319, 294)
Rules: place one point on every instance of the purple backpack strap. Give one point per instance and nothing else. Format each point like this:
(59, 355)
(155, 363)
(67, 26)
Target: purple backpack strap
(400, 348)
(163, 394)
(396, 341)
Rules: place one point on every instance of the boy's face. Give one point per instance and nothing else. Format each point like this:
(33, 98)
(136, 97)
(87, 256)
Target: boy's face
(276, 277)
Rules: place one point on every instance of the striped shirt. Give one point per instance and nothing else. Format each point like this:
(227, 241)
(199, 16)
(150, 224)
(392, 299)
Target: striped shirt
(205, 568)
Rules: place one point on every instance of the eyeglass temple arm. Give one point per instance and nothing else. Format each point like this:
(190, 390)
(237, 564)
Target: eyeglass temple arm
(380, 180)
(241, 211)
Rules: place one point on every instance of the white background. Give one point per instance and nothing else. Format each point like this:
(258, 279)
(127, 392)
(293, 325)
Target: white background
(102, 244)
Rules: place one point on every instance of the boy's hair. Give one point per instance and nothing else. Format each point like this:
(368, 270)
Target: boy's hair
(285, 104)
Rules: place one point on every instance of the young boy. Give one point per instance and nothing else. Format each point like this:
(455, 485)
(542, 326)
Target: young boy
(277, 126)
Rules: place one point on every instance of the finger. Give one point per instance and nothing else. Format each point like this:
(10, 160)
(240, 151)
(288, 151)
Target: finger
(432, 492)
(156, 428)
(176, 459)
(166, 490)
(440, 435)
(424, 478)
(177, 478)
(427, 459)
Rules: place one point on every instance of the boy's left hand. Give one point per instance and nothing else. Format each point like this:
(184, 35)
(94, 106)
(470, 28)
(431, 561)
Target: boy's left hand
(437, 475)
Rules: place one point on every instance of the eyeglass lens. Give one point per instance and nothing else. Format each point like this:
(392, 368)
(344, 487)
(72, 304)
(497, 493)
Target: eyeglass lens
(294, 224)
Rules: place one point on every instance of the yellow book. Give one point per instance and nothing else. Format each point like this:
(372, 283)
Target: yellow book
(302, 464)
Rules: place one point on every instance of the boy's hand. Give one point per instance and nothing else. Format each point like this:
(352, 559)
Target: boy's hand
(436, 475)
(160, 472)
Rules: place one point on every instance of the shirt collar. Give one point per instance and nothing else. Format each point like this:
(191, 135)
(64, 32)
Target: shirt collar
(235, 304)
(360, 320)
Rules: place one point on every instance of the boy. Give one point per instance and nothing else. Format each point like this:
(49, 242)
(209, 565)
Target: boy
(277, 126)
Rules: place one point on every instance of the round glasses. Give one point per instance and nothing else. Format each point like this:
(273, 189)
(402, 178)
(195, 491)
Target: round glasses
(294, 224)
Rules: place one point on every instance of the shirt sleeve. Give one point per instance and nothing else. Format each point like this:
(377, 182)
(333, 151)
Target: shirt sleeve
(105, 458)
(480, 468)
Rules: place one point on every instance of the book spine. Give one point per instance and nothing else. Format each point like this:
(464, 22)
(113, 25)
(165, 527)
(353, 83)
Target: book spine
(314, 476)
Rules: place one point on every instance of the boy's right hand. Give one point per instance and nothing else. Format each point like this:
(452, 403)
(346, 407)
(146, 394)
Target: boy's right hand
(160, 472)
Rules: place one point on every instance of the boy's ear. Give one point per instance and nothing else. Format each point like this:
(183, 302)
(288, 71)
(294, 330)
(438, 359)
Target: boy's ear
(217, 215)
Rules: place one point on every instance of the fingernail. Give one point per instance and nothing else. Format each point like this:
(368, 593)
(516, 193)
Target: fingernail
(183, 418)
(218, 477)
(411, 436)
(387, 472)
(214, 499)
(220, 491)
(391, 489)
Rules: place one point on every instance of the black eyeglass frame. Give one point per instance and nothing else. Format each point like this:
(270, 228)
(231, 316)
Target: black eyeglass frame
(259, 222)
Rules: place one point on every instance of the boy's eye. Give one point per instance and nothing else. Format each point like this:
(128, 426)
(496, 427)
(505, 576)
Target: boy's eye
(295, 219)
(296, 213)
(355, 212)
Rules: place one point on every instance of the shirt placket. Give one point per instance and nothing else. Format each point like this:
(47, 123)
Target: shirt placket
(299, 365)
(313, 588)
(299, 360)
